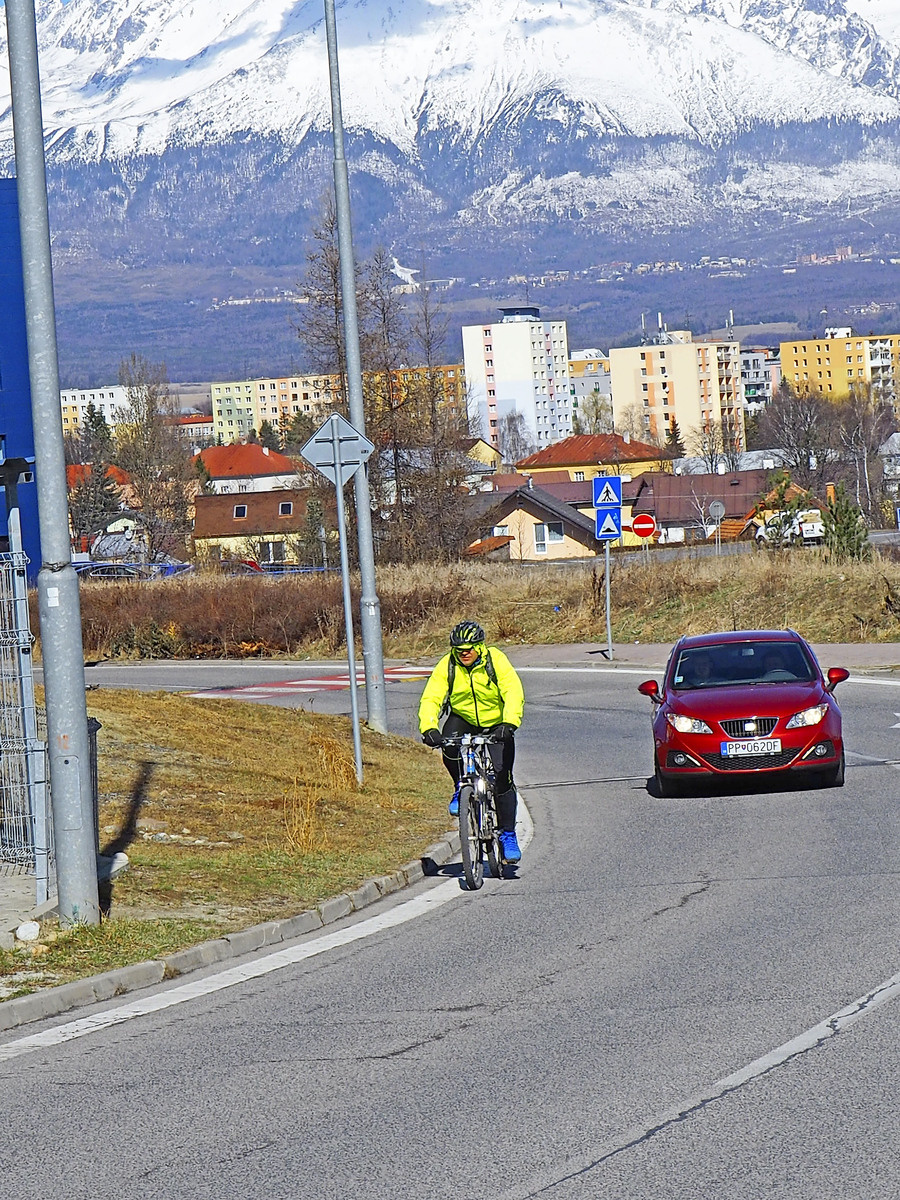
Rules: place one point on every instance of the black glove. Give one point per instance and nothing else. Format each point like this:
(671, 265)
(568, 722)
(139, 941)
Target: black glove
(432, 737)
(504, 732)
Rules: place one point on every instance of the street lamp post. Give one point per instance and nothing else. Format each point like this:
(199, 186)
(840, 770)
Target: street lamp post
(370, 611)
(58, 601)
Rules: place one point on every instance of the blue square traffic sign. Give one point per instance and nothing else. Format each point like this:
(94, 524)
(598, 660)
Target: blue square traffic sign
(609, 524)
(607, 491)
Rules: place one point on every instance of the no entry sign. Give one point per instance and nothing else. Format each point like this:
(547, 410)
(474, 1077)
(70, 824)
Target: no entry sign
(643, 525)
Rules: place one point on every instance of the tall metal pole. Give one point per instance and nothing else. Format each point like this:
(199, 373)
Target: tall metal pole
(348, 605)
(370, 610)
(58, 604)
(609, 646)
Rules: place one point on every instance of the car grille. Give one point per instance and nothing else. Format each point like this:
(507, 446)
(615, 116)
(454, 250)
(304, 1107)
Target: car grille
(735, 729)
(750, 762)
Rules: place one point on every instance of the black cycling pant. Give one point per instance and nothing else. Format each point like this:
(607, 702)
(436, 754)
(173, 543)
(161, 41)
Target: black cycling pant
(503, 755)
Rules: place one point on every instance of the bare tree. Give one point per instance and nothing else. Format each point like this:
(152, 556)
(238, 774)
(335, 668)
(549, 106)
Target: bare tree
(151, 451)
(865, 423)
(706, 444)
(802, 431)
(514, 437)
(595, 414)
(320, 319)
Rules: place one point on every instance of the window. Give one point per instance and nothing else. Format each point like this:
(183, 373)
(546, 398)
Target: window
(552, 531)
(240, 511)
(579, 476)
(285, 508)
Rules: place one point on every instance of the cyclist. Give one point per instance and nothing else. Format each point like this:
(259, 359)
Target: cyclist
(482, 693)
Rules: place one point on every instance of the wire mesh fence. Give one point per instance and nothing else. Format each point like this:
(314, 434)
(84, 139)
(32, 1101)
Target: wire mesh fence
(24, 815)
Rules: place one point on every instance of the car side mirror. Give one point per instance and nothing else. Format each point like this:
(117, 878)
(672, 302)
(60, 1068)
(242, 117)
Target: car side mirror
(836, 675)
(650, 688)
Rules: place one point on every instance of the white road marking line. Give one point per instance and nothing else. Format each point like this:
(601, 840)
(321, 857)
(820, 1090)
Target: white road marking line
(810, 1039)
(409, 910)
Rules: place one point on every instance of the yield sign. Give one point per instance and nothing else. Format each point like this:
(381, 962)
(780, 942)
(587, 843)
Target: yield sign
(337, 450)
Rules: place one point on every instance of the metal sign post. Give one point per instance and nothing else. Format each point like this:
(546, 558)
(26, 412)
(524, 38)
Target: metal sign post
(337, 451)
(608, 503)
(717, 512)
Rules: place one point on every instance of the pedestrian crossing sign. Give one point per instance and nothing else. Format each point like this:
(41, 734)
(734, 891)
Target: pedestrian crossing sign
(607, 491)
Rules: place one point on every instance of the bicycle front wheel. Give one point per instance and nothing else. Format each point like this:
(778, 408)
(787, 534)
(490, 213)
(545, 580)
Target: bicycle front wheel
(470, 839)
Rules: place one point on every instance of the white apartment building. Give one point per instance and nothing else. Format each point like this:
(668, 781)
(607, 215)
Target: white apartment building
(107, 400)
(760, 376)
(675, 379)
(243, 404)
(519, 364)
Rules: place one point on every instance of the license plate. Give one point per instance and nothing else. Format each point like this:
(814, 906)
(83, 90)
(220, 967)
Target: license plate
(754, 746)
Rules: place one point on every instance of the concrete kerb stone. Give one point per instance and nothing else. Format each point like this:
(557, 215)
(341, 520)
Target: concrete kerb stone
(50, 1003)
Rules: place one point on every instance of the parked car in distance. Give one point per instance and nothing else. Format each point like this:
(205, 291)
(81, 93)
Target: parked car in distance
(111, 570)
(791, 529)
(752, 703)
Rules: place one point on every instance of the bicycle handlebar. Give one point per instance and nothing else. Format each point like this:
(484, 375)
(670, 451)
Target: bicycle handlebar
(474, 739)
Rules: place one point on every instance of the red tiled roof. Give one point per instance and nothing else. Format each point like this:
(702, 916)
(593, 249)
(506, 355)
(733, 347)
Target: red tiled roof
(77, 473)
(190, 419)
(244, 459)
(606, 448)
(487, 545)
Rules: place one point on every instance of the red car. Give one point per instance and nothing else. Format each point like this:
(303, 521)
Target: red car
(745, 704)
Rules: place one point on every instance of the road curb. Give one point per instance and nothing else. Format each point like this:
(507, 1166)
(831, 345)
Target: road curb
(53, 1001)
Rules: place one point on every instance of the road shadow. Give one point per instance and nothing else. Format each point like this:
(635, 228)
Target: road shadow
(110, 857)
(754, 786)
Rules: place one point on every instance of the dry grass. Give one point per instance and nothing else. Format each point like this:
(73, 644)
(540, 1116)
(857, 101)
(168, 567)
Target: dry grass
(248, 813)
(302, 616)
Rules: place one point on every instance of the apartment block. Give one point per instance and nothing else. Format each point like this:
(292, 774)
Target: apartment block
(760, 376)
(843, 361)
(675, 379)
(240, 405)
(519, 365)
(74, 404)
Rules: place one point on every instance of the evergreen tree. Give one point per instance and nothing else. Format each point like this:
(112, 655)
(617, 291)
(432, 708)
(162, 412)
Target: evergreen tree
(846, 535)
(94, 495)
(674, 443)
(268, 436)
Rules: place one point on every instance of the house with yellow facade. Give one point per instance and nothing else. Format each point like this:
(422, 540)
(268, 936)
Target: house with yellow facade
(586, 455)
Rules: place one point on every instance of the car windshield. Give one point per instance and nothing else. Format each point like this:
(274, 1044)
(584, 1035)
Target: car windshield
(730, 664)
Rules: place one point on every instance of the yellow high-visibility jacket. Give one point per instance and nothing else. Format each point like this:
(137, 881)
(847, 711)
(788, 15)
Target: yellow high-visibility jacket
(475, 697)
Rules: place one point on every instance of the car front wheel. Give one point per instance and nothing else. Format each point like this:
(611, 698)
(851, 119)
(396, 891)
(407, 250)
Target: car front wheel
(834, 777)
(665, 787)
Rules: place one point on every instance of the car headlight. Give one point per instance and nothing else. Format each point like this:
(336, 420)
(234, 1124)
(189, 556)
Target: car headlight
(687, 724)
(809, 716)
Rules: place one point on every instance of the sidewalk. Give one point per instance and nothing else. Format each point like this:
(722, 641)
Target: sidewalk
(17, 890)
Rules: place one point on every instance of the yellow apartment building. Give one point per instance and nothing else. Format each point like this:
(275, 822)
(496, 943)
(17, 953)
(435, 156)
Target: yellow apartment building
(240, 405)
(243, 404)
(841, 361)
(676, 379)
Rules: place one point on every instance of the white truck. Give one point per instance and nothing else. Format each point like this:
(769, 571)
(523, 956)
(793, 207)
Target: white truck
(785, 529)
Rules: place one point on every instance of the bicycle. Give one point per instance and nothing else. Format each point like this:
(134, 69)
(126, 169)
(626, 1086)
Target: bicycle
(479, 835)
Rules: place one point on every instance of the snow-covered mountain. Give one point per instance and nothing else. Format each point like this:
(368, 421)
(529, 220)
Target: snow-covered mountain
(180, 127)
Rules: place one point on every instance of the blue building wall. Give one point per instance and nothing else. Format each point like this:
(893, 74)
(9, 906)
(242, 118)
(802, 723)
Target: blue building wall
(15, 386)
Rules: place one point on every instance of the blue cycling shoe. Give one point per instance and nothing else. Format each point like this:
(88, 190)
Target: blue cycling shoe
(509, 846)
(453, 807)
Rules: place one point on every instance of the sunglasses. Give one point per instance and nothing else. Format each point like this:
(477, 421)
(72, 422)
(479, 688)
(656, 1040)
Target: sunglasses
(465, 649)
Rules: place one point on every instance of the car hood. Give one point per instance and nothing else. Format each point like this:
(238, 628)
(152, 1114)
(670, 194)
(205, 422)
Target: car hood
(758, 699)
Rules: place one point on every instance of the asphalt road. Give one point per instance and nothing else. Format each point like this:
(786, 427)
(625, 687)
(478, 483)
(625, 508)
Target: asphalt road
(648, 1010)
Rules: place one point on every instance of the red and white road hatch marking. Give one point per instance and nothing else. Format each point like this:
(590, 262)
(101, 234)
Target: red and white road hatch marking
(322, 683)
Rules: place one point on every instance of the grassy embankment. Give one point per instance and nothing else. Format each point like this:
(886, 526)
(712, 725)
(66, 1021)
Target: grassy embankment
(302, 616)
(251, 812)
